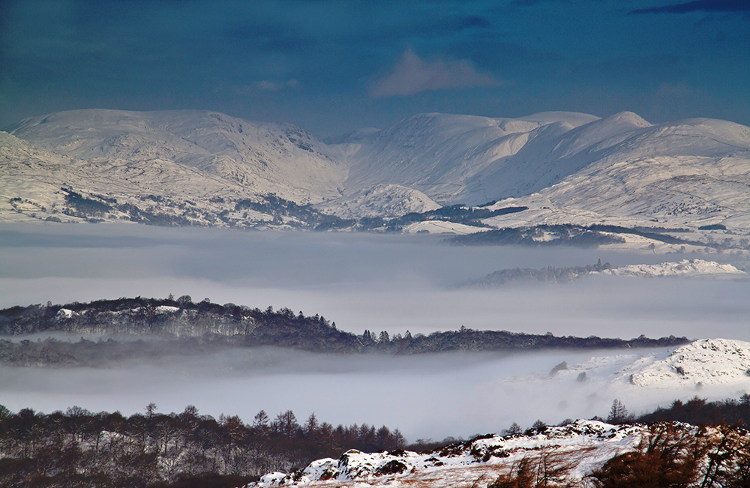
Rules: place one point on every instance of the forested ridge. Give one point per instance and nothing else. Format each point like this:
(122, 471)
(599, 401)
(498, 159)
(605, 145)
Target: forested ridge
(184, 327)
(550, 274)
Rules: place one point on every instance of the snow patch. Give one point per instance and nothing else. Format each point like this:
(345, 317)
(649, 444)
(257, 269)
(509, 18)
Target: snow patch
(64, 313)
(442, 227)
(167, 309)
(386, 201)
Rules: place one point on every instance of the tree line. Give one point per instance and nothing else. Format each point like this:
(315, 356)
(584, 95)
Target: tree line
(79, 448)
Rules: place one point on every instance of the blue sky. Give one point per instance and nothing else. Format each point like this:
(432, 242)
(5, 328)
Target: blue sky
(331, 66)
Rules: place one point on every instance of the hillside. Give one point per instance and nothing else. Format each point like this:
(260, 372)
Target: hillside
(156, 450)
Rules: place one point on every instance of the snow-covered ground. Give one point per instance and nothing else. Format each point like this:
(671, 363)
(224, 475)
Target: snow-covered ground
(576, 449)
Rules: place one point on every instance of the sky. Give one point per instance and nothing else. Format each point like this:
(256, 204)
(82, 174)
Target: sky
(332, 66)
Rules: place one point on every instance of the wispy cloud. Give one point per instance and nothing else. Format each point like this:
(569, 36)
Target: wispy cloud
(274, 86)
(699, 6)
(413, 74)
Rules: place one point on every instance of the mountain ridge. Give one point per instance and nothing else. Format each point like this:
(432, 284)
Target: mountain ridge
(193, 167)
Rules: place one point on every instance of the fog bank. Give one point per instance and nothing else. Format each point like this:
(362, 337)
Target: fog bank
(360, 281)
(426, 396)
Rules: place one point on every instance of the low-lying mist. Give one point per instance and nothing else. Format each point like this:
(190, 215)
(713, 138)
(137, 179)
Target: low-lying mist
(360, 281)
(425, 396)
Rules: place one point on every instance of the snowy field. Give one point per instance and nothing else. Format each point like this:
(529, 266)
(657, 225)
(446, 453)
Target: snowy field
(392, 283)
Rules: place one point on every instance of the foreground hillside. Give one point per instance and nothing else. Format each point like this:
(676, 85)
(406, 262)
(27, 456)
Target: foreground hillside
(156, 450)
(583, 453)
(687, 179)
(570, 453)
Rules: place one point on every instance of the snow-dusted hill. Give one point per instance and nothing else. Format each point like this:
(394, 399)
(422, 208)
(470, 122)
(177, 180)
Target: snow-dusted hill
(684, 268)
(703, 362)
(719, 365)
(566, 168)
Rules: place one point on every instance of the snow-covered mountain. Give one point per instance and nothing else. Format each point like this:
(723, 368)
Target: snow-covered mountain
(448, 156)
(683, 173)
(564, 168)
(259, 157)
(568, 168)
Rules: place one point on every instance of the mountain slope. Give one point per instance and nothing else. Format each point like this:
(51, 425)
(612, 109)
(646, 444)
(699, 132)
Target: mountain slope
(693, 172)
(444, 155)
(258, 157)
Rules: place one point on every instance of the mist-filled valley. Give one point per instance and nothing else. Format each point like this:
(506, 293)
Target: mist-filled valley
(364, 280)
(361, 282)
(426, 397)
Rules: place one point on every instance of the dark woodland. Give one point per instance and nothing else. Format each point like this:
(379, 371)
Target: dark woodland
(180, 326)
(79, 448)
